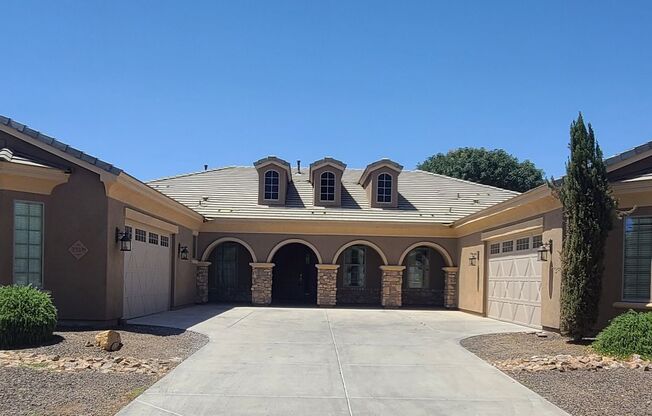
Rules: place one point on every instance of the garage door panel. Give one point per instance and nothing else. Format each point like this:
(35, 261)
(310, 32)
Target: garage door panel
(147, 275)
(514, 285)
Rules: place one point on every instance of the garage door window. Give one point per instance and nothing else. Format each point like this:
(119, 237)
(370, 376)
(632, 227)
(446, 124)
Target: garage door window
(140, 235)
(28, 243)
(523, 244)
(508, 246)
(638, 259)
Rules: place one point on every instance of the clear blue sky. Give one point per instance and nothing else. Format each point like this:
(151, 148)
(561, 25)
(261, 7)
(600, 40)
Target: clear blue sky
(160, 88)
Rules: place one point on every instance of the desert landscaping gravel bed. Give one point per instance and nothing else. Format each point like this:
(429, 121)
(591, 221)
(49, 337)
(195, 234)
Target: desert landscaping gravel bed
(30, 390)
(619, 391)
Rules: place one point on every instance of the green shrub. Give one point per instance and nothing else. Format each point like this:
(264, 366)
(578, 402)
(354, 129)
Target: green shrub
(27, 316)
(627, 334)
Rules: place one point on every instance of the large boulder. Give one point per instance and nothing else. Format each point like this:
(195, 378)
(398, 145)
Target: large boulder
(108, 340)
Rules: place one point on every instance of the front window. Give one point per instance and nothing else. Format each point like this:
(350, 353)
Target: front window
(384, 188)
(638, 258)
(327, 190)
(354, 266)
(418, 268)
(271, 185)
(28, 243)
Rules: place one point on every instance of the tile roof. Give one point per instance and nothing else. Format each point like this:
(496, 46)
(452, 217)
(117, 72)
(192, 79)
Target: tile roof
(232, 192)
(59, 145)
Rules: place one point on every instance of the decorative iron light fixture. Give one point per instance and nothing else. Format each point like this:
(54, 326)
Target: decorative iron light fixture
(473, 258)
(543, 250)
(124, 238)
(182, 252)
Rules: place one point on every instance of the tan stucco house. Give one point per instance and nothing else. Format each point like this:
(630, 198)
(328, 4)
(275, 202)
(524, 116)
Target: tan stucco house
(109, 247)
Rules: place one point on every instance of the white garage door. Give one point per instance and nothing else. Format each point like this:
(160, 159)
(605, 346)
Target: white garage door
(147, 274)
(514, 293)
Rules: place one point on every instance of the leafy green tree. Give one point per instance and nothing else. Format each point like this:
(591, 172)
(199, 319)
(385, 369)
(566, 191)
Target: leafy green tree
(489, 167)
(589, 210)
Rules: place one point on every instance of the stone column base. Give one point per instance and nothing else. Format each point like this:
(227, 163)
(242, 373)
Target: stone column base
(392, 282)
(261, 283)
(450, 287)
(201, 281)
(327, 284)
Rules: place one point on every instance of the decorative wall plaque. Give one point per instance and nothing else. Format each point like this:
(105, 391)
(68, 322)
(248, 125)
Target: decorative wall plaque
(78, 250)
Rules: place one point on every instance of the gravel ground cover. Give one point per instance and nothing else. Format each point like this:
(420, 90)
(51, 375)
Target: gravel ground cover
(30, 390)
(619, 391)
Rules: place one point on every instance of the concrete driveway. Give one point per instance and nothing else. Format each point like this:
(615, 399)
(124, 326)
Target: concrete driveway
(296, 361)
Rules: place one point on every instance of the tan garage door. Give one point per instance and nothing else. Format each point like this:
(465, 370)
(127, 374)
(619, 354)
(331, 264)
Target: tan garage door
(514, 293)
(147, 273)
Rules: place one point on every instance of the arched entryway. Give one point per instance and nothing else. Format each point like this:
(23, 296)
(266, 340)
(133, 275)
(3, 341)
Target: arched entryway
(359, 277)
(294, 277)
(423, 277)
(229, 275)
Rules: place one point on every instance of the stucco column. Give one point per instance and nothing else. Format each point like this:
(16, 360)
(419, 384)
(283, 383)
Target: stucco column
(261, 283)
(392, 280)
(327, 284)
(201, 281)
(450, 287)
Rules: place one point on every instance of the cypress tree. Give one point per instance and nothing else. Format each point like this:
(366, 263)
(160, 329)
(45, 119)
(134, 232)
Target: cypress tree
(589, 208)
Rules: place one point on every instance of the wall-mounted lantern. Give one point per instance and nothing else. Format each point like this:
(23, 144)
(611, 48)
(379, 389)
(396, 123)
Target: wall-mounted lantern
(123, 238)
(473, 259)
(543, 250)
(182, 252)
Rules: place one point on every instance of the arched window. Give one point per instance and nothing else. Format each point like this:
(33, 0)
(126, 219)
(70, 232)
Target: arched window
(354, 266)
(384, 188)
(327, 189)
(418, 268)
(271, 185)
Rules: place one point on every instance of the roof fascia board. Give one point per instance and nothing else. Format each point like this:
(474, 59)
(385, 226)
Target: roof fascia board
(131, 191)
(611, 167)
(528, 197)
(59, 153)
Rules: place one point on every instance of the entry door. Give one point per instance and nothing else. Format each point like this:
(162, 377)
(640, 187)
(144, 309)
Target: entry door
(295, 275)
(514, 292)
(147, 272)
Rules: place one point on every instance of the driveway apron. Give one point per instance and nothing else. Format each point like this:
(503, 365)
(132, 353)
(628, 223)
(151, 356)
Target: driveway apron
(309, 361)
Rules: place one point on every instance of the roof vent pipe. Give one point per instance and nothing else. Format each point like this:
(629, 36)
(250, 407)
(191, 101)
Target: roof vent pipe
(299, 167)
(205, 167)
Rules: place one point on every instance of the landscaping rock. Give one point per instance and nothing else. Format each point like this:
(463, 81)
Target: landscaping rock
(108, 340)
(564, 362)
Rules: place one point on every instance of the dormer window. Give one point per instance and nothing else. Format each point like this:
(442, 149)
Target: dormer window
(380, 180)
(384, 194)
(271, 185)
(274, 176)
(326, 179)
(327, 190)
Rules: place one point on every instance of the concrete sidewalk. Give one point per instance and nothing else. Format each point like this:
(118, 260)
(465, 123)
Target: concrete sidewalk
(308, 361)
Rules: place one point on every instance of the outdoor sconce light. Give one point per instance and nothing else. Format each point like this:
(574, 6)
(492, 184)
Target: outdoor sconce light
(124, 238)
(183, 252)
(473, 259)
(543, 250)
